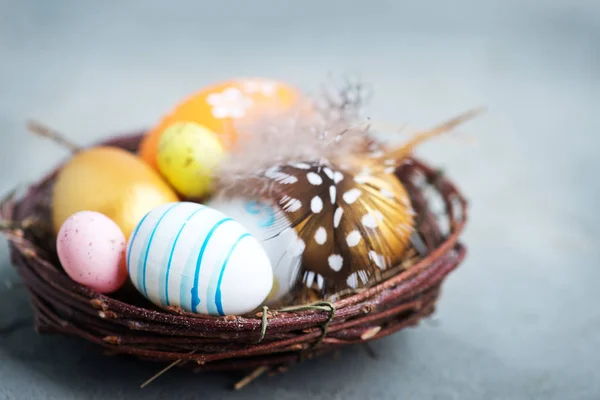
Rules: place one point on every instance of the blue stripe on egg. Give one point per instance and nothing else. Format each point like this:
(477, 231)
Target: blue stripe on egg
(218, 296)
(212, 280)
(164, 284)
(195, 301)
(141, 272)
(133, 237)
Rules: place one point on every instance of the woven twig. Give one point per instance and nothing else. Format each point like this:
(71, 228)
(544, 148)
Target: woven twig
(260, 342)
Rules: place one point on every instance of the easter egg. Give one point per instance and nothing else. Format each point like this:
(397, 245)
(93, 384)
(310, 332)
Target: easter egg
(219, 107)
(272, 228)
(192, 256)
(111, 181)
(187, 156)
(91, 249)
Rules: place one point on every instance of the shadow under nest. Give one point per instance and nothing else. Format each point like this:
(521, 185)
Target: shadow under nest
(270, 340)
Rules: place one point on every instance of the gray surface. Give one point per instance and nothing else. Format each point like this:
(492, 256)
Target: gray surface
(519, 320)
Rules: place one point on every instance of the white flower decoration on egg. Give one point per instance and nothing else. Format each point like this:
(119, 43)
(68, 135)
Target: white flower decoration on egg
(230, 103)
(266, 88)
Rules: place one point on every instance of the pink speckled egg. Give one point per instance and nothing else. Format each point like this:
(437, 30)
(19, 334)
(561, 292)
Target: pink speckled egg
(91, 249)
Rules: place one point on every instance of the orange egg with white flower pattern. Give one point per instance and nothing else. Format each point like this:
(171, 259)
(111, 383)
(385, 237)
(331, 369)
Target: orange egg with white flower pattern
(221, 106)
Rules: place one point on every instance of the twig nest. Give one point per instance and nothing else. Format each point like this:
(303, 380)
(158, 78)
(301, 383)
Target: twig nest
(121, 323)
(304, 206)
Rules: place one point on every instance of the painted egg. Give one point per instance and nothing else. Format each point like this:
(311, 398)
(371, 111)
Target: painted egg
(187, 156)
(192, 256)
(272, 228)
(219, 107)
(91, 249)
(111, 181)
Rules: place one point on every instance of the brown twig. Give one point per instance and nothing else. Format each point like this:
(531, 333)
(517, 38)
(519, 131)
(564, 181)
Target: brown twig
(159, 373)
(15, 226)
(44, 131)
(9, 225)
(250, 378)
(402, 151)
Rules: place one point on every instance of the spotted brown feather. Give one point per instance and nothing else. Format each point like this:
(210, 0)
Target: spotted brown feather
(350, 226)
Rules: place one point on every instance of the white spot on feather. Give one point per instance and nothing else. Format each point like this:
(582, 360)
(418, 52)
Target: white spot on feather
(272, 172)
(377, 258)
(301, 165)
(328, 172)
(332, 194)
(286, 179)
(335, 262)
(314, 178)
(281, 177)
(352, 281)
(338, 177)
(337, 216)
(368, 221)
(352, 195)
(353, 238)
(320, 281)
(321, 236)
(310, 278)
(371, 219)
(316, 204)
(364, 277)
(290, 204)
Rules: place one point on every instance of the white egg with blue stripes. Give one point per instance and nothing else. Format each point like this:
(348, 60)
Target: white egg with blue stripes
(188, 255)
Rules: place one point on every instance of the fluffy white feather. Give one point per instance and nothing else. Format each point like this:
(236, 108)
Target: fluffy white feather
(327, 130)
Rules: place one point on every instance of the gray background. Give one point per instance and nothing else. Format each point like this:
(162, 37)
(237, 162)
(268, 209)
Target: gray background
(519, 319)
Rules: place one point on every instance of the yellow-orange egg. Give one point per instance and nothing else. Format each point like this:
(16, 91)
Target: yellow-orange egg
(219, 107)
(111, 181)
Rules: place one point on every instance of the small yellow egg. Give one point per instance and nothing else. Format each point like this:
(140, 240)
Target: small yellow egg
(187, 156)
(111, 181)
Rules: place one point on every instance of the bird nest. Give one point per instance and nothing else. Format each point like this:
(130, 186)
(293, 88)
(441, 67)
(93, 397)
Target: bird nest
(269, 340)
